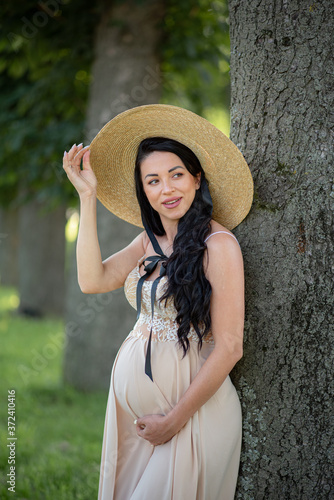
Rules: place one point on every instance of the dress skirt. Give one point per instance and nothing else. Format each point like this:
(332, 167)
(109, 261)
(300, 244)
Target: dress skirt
(200, 462)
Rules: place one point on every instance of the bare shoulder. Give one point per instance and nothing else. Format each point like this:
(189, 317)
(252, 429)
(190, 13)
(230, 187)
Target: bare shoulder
(223, 251)
(119, 264)
(142, 239)
(219, 234)
(138, 244)
(146, 241)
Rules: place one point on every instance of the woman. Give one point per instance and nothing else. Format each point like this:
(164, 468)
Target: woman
(173, 419)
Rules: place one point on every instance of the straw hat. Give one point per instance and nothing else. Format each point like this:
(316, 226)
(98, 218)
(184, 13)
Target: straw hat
(113, 153)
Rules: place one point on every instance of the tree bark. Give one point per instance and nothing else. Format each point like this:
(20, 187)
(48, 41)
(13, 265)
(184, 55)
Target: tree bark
(41, 260)
(282, 120)
(125, 75)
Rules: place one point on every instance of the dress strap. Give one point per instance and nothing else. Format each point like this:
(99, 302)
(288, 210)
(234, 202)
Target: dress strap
(206, 239)
(153, 261)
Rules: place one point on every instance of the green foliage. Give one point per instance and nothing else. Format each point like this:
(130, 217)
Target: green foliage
(59, 430)
(195, 59)
(46, 54)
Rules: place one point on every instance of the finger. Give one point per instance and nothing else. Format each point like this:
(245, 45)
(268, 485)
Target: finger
(72, 152)
(76, 151)
(80, 150)
(140, 427)
(139, 422)
(66, 160)
(75, 155)
(86, 160)
(69, 166)
(79, 155)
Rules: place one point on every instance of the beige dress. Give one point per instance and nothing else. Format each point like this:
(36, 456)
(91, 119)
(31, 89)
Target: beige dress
(201, 461)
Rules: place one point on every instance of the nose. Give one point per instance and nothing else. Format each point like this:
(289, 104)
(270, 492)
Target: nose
(167, 187)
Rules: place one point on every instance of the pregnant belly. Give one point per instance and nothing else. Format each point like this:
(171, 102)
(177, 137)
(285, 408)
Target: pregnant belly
(172, 375)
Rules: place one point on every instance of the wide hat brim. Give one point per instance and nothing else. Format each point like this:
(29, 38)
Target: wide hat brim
(113, 153)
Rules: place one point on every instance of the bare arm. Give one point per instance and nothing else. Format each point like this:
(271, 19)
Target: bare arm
(95, 276)
(226, 275)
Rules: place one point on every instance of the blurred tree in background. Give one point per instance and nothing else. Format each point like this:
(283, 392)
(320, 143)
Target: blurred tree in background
(47, 55)
(125, 74)
(44, 81)
(195, 57)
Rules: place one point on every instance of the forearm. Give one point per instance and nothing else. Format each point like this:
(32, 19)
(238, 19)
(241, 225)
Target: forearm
(206, 383)
(89, 260)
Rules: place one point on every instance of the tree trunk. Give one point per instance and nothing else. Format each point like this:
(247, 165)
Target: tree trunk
(8, 247)
(282, 120)
(41, 259)
(125, 75)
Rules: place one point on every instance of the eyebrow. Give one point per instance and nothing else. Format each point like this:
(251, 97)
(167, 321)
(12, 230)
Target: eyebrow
(170, 170)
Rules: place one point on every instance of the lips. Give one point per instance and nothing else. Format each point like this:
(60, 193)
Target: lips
(171, 202)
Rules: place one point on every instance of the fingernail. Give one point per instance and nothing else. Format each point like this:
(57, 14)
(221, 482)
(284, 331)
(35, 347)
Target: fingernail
(64, 153)
(81, 143)
(135, 422)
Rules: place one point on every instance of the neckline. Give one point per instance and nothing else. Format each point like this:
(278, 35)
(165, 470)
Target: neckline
(140, 276)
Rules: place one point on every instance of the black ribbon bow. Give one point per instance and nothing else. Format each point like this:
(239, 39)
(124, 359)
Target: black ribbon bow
(149, 268)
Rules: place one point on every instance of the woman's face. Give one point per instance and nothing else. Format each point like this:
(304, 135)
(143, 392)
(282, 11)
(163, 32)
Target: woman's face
(170, 188)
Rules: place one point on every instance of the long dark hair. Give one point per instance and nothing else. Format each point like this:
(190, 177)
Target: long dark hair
(187, 284)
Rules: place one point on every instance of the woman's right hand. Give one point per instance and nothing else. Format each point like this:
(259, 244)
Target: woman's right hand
(84, 180)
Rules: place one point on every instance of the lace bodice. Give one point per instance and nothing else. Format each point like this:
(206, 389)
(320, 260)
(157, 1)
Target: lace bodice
(164, 323)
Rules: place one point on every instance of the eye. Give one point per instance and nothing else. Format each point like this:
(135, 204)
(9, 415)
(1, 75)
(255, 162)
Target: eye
(153, 181)
(178, 174)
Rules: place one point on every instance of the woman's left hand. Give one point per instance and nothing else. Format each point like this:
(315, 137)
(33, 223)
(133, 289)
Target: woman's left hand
(155, 428)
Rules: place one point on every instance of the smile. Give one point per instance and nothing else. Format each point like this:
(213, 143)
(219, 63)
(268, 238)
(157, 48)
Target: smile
(172, 203)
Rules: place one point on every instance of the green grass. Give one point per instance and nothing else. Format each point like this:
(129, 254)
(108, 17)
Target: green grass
(59, 430)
